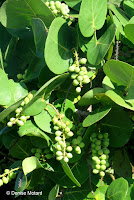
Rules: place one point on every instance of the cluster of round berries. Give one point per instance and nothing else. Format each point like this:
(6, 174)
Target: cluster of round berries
(63, 132)
(7, 176)
(22, 76)
(58, 8)
(100, 153)
(39, 153)
(20, 119)
(79, 74)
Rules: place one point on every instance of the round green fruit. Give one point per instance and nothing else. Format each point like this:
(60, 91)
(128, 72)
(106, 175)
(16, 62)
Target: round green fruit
(59, 153)
(5, 180)
(9, 124)
(37, 155)
(58, 138)
(6, 170)
(77, 69)
(83, 61)
(59, 158)
(38, 150)
(97, 166)
(48, 156)
(33, 150)
(75, 82)
(66, 159)
(58, 133)
(1, 182)
(81, 145)
(69, 148)
(78, 89)
(95, 171)
(69, 155)
(72, 68)
(58, 147)
(73, 76)
(102, 174)
(103, 167)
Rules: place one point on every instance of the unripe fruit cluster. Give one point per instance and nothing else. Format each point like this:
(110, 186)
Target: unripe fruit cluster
(20, 119)
(63, 132)
(79, 74)
(100, 152)
(42, 154)
(58, 8)
(7, 176)
(22, 76)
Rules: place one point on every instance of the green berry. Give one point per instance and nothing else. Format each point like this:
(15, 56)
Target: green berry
(47, 150)
(37, 155)
(94, 151)
(97, 161)
(12, 119)
(103, 157)
(51, 3)
(66, 159)
(97, 148)
(6, 170)
(58, 4)
(59, 153)
(20, 123)
(70, 134)
(33, 150)
(86, 80)
(63, 125)
(73, 76)
(95, 171)
(77, 69)
(12, 175)
(53, 7)
(105, 144)
(74, 141)
(83, 61)
(38, 150)
(69, 155)
(94, 158)
(97, 166)
(30, 96)
(58, 147)
(106, 151)
(1, 182)
(59, 158)
(77, 149)
(79, 139)
(19, 76)
(23, 103)
(67, 123)
(62, 115)
(100, 136)
(81, 145)
(58, 138)
(105, 135)
(81, 73)
(78, 89)
(103, 162)
(79, 78)
(18, 110)
(26, 100)
(100, 152)
(5, 180)
(78, 133)
(59, 124)
(58, 133)
(63, 144)
(75, 82)
(47, 3)
(9, 124)
(102, 174)
(67, 129)
(48, 156)
(69, 148)
(97, 142)
(23, 118)
(56, 128)
(103, 167)
(84, 69)
(72, 68)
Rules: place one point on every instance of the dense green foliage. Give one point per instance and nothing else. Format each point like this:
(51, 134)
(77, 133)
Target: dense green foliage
(67, 99)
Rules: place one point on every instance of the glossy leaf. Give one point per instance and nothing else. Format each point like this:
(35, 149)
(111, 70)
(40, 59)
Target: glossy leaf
(119, 126)
(129, 8)
(8, 110)
(18, 14)
(119, 72)
(97, 49)
(129, 29)
(92, 16)
(36, 108)
(53, 193)
(59, 44)
(21, 182)
(96, 116)
(40, 35)
(89, 97)
(119, 14)
(30, 129)
(29, 164)
(5, 93)
(117, 190)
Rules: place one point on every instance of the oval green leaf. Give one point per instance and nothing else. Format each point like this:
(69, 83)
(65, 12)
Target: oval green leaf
(92, 16)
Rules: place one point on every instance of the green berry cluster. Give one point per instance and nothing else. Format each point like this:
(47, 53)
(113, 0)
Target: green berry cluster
(19, 118)
(22, 76)
(58, 8)
(42, 154)
(62, 133)
(79, 74)
(100, 152)
(7, 176)
(80, 129)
